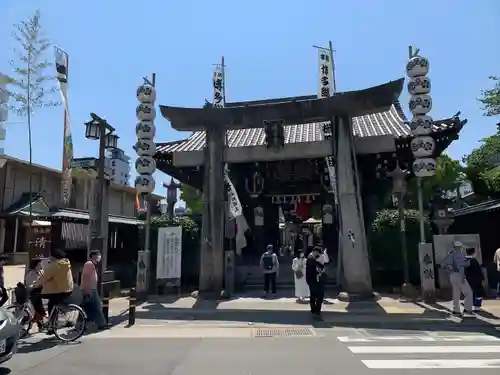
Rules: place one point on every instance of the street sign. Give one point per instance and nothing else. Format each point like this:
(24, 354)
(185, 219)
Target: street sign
(84, 163)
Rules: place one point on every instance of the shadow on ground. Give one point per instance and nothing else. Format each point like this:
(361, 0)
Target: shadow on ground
(360, 315)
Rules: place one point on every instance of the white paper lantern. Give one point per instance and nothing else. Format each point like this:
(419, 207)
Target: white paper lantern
(422, 146)
(145, 147)
(417, 66)
(146, 94)
(420, 104)
(424, 167)
(421, 125)
(145, 112)
(419, 85)
(145, 183)
(145, 130)
(145, 165)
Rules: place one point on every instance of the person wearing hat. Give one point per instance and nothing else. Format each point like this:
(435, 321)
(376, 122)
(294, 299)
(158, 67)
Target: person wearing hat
(91, 301)
(4, 297)
(455, 264)
(269, 265)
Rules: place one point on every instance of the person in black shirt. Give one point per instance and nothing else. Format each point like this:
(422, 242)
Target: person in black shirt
(315, 275)
(475, 278)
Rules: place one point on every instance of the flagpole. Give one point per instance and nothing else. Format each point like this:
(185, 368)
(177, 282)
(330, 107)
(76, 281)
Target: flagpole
(223, 68)
(330, 47)
(65, 122)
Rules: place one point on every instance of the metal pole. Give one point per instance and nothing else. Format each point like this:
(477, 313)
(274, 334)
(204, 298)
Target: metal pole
(402, 233)
(100, 205)
(330, 47)
(421, 209)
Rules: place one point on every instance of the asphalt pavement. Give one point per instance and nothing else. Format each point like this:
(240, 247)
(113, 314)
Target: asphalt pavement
(191, 349)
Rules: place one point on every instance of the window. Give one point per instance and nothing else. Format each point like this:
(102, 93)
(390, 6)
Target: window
(113, 163)
(113, 171)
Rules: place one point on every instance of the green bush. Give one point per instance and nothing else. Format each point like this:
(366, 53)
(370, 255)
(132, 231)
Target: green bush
(386, 251)
(190, 246)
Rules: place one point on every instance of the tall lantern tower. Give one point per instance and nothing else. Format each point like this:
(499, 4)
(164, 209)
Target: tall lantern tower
(145, 146)
(419, 88)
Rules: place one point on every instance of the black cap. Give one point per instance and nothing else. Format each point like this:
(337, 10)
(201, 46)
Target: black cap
(95, 252)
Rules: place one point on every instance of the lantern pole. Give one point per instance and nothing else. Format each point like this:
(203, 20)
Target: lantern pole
(420, 193)
(147, 235)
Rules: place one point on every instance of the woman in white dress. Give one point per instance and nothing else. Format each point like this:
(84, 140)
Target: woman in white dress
(299, 270)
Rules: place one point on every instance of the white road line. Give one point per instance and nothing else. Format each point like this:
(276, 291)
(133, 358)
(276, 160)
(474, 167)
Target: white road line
(455, 338)
(431, 363)
(423, 349)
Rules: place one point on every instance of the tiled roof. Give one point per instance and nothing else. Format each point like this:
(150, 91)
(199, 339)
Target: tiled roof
(391, 122)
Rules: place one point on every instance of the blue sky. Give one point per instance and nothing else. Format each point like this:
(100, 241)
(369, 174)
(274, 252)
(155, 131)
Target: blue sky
(268, 51)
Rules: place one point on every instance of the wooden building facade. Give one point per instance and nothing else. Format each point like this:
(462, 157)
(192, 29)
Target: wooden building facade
(15, 200)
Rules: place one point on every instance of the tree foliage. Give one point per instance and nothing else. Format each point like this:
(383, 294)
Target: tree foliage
(490, 98)
(385, 245)
(31, 82)
(481, 168)
(448, 176)
(193, 198)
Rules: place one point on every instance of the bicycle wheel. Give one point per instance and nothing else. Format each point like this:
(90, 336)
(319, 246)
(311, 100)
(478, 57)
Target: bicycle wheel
(69, 322)
(24, 318)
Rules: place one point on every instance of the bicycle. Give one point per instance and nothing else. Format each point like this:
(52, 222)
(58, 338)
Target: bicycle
(24, 312)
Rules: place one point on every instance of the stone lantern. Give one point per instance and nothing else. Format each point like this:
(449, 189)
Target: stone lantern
(398, 176)
(171, 195)
(442, 218)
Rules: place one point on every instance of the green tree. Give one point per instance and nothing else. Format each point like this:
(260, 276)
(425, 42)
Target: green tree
(481, 168)
(193, 198)
(448, 175)
(31, 83)
(490, 98)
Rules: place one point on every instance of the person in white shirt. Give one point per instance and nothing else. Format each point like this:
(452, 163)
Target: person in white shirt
(299, 269)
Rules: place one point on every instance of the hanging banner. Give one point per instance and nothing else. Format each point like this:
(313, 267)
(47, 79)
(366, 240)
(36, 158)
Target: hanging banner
(4, 99)
(235, 208)
(325, 90)
(67, 157)
(218, 85)
(169, 255)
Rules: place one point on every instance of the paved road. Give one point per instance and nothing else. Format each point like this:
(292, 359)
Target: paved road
(237, 351)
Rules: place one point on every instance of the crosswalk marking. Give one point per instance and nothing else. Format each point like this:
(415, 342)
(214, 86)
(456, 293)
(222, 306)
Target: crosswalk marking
(416, 348)
(423, 349)
(431, 363)
(455, 338)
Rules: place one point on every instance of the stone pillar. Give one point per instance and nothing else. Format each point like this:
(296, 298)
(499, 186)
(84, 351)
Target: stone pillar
(212, 243)
(354, 257)
(215, 142)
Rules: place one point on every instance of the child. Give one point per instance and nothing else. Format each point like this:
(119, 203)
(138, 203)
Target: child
(475, 278)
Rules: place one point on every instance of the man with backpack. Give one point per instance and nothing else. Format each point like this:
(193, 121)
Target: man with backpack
(455, 264)
(270, 266)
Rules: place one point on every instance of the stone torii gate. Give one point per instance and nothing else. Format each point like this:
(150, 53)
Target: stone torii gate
(339, 110)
